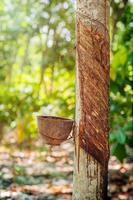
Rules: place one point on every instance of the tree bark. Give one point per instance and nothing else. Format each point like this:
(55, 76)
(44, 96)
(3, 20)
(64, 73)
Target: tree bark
(1, 131)
(92, 87)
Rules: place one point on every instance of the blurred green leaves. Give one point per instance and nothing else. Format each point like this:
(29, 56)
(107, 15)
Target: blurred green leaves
(121, 140)
(37, 63)
(121, 135)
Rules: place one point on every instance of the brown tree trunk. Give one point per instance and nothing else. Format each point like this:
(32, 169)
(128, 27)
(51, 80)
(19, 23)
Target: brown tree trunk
(92, 152)
(1, 131)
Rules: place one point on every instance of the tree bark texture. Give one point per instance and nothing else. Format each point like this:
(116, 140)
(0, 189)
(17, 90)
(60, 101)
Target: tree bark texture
(92, 103)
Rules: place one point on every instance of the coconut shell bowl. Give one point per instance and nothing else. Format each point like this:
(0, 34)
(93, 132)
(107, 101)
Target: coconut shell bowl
(54, 130)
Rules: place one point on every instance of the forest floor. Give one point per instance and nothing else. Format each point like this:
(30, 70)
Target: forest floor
(42, 173)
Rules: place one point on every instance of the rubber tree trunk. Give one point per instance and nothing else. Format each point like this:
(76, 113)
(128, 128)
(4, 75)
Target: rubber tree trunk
(92, 75)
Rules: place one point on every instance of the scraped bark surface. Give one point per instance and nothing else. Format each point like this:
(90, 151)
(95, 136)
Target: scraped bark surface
(92, 152)
(93, 66)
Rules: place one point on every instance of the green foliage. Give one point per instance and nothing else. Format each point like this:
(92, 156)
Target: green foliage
(121, 78)
(121, 139)
(37, 73)
(37, 63)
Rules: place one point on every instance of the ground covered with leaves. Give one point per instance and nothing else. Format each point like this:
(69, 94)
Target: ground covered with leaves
(44, 173)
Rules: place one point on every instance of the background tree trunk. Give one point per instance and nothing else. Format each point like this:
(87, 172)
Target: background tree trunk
(1, 131)
(92, 152)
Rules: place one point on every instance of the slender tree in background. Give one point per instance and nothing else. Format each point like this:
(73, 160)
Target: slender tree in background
(92, 152)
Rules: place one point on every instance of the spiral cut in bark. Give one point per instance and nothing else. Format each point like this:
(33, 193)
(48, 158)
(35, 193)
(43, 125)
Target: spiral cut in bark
(93, 74)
